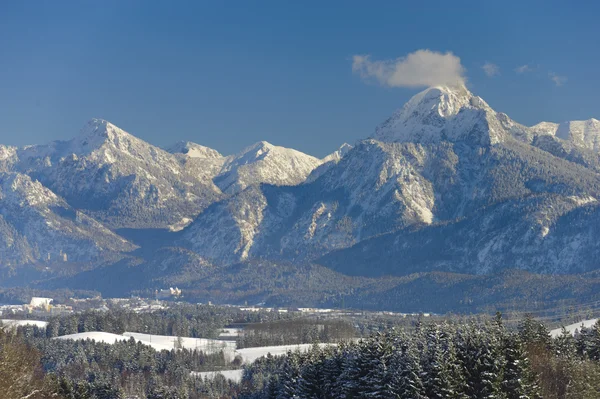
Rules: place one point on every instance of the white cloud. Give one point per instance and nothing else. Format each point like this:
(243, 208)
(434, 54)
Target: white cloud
(421, 68)
(558, 80)
(491, 69)
(523, 69)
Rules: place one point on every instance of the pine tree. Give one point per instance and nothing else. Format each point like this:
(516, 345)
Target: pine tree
(519, 381)
(405, 382)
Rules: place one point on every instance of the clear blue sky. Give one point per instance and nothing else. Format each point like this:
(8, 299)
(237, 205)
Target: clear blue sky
(229, 73)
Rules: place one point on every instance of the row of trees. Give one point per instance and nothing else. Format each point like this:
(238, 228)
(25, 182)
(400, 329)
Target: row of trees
(184, 320)
(296, 331)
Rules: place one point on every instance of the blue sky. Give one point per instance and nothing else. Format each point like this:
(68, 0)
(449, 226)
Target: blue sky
(229, 73)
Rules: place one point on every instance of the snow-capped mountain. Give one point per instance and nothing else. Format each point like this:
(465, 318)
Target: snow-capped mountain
(338, 154)
(443, 157)
(193, 150)
(264, 163)
(259, 163)
(446, 183)
(446, 114)
(37, 226)
(540, 233)
(119, 179)
(328, 162)
(584, 134)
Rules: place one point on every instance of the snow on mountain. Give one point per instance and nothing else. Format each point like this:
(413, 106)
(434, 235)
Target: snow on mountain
(338, 154)
(37, 226)
(544, 233)
(8, 157)
(193, 150)
(583, 133)
(545, 128)
(264, 163)
(225, 231)
(328, 162)
(444, 114)
(119, 179)
(201, 162)
(446, 155)
(446, 183)
(375, 188)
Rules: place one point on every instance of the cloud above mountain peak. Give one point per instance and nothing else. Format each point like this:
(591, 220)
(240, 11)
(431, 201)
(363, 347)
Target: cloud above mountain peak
(421, 68)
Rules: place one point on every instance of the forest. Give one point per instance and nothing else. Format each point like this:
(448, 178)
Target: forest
(450, 359)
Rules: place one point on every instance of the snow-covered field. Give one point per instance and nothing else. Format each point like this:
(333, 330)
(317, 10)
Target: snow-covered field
(98, 336)
(170, 342)
(251, 354)
(231, 332)
(573, 328)
(233, 375)
(159, 342)
(17, 323)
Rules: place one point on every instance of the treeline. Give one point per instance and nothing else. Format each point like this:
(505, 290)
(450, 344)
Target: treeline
(438, 361)
(184, 320)
(296, 331)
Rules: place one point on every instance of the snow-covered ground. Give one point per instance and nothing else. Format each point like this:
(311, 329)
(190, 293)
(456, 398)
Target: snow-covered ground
(231, 332)
(17, 323)
(233, 375)
(98, 336)
(249, 355)
(573, 328)
(170, 342)
(160, 342)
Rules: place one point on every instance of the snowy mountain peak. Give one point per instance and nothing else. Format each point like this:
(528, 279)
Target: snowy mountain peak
(338, 154)
(264, 162)
(97, 132)
(259, 146)
(193, 150)
(443, 100)
(443, 113)
(102, 129)
(583, 133)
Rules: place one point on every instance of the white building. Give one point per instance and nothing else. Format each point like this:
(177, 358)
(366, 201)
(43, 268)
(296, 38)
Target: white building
(39, 303)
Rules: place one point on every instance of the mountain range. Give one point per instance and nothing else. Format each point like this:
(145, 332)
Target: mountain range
(445, 185)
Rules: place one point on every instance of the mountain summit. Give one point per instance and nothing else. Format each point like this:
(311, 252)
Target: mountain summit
(444, 113)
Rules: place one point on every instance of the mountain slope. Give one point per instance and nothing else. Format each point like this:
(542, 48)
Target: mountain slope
(37, 226)
(541, 233)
